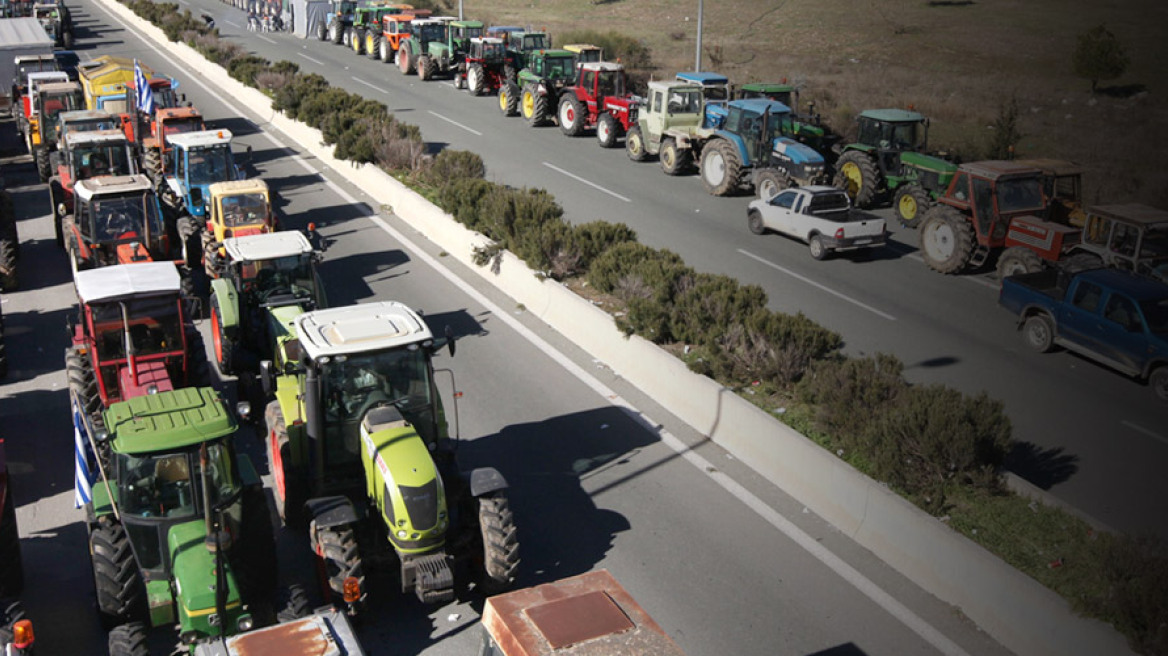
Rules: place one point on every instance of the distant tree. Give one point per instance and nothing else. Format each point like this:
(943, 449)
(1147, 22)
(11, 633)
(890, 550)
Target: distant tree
(1005, 135)
(1099, 56)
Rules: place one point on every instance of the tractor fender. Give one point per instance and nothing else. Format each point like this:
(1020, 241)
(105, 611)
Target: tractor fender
(223, 291)
(788, 149)
(327, 512)
(485, 480)
(738, 142)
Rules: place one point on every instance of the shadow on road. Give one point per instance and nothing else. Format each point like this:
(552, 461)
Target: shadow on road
(1041, 466)
(359, 270)
(846, 649)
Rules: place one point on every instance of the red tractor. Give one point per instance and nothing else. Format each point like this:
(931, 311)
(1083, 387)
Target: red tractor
(599, 100)
(132, 337)
(485, 65)
(84, 155)
(150, 131)
(117, 220)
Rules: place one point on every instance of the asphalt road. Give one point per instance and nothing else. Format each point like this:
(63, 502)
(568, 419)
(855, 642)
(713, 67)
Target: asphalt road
(1095, 439)
(595, 483)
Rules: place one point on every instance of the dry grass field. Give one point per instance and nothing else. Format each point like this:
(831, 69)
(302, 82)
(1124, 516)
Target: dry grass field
(958, 61)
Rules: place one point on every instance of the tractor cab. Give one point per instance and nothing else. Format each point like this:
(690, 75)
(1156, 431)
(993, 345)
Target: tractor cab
(759, 123)
(97, 153)
(602, 80)
(461, 32)
(197, 160)
(886, 133)
(115, 220)
(586, 53)
(237, 209)
(994, 193)
(132, 325)
(429, 30)
(670, 106)
(25, 64)
(53, 99)
(1062, 183)
(521, 44)
(1130, 236)
(778, 92)
(488, 51)
(84, 120)
(715, 95)
(550, 68)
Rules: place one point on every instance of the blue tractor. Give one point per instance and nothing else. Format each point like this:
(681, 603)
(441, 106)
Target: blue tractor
(715, 94)
(750, 151)
(197, 160)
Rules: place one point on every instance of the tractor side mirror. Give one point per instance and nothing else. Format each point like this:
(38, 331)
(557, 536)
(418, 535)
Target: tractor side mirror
(267, 377)
(450, 339)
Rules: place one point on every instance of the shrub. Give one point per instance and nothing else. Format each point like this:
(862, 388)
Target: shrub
(765, 345)
(594, 238)
(705, 305)
(625, 259)
(460, 197)
(454, 164)
(1099, 55)
(1136, 572)
(247, 68)
(849, 392)
(1005, 135)
(272, 81)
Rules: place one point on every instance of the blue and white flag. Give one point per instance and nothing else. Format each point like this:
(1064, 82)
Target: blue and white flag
(142, 85)
(82, 475)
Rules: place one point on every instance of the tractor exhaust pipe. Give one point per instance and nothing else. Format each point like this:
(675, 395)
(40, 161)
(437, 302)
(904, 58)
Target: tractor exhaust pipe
(313, 410)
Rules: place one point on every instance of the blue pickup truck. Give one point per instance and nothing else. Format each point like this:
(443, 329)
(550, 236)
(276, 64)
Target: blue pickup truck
(1114, 317)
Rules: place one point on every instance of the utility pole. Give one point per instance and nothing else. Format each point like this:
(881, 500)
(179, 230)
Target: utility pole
(459, 9)
(698, 54)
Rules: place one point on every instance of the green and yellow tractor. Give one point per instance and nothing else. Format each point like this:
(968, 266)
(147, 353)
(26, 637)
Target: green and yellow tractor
(535, 93)
(358, 443)
(889, 159)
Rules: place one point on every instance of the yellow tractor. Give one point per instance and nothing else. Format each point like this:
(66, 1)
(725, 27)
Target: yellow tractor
(236, 209)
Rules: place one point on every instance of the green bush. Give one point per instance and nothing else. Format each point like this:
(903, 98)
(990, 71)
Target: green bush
(766, 346)
(625, 259)
(596, 237)
(1136, 572)
(460, 197)
(704, 305)
(246, 68)
(454, 164)
(849, 392)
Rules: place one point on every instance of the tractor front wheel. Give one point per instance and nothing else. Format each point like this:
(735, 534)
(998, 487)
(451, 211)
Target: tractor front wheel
(856, 174)
(635, 145)
(770, 182)
(500, 543)
(357, 40)
(384, 50)
(190, 241)
(1038, 330)
(371, 45)
(152, 162)
(571, 116)
(335, 34)
(946, 240)
(338, 559)
(321, 32)
(405, 61)
(476, 79)
(911, 202)
(527, 102)
(425, 67)
(509, 99)
(9, 280)
(720, 167)
(129, 640)
(1017, 259)
(288, 486)
(607, 130)
(224, 345)
(121, 594)
(674, 161)
(295, 606)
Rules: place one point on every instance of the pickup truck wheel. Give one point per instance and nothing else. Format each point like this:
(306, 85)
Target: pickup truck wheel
(1039, 333)
(754, 222)
(1017, 259)
(946, 240)
(818, 247)
(1158, 381)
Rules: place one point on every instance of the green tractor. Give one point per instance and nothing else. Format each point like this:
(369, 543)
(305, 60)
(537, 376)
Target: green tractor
(520, 45)
(265, 282)
(367, 22)
(358, 443)
(536, 91)
(888, 159)
(448, 57)
(179, 529)
(416, 46)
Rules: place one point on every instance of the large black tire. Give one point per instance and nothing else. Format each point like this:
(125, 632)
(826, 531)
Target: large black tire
(571, 115)
(152, 166)
(83, 384)
(121, 594)
(129, 640)
(1158, 381)
(1038, 331)
(500, 543)
(347, 36)
(946, 239)
(335, 33)
(674, 161)
(372, 45)
(608, 130)
(769, 182)
(8, 271)
(425, 66)
(41, 155)
(542, 110)
(509, 99)
(405, 60)
(340, 558)
(254, 555)
(384, 51)
(67, 40)
(527, 96)
(721, 167)
(190, 239)
(224, 344)
(73, 250)
(295, 604)
(321, 31)
(288, 486)
(754, 222)
(476, 79)
(911, 202)
(11, 567)
(856, 173)
(635, 145)
(212, 261)
(357, 40)
(1017, 259)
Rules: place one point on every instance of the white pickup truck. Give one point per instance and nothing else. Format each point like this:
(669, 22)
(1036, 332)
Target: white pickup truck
(821, 216)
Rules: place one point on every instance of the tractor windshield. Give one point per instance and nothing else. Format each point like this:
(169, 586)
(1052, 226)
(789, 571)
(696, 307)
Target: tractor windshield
(469, 32)
(244, 210)
(282, 275)
(124, 218)
(716, 94)
(55, 103)
(347, 7)
(1019, 195)
(209, 164)
(432, 32)
(490, 51)
(560, 68)
(610, 83)
(164, 97)
(684, 101)
(155, 328)
(535, 42)
(87, 125)
(102, 159)
(179, 126)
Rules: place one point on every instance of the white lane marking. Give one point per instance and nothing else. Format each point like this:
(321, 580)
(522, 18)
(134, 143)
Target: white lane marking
(264, 38)
(817, 285)
(233, 24)
(977, 280)
(316, 61)
(865, 585)
(368, 84)
(1140, 429)
(456, 123)
(587, 182)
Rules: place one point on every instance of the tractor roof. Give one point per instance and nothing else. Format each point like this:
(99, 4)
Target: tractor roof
(48, 76)
(445, 19)
(703, 78)
(59, 87)
(487, 39)
(235, 187)
(761, 106)
(466, 23)
(555, 53)
(1133, 213)
(429, 21)
(360, 329)
(994, 169)
(125, 281)
(496, 29)
(1055, 167)
(673, 85)
(27, 59)
(168, 421)
(768, 87)
(601, 66)
(267, 246)
(109, 185)
(78, 139)
(893, 115)
(77, 115)
(200, 139)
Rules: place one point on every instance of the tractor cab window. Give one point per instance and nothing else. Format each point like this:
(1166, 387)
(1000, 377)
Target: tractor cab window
(282, 275)
(1155, 243)
(961, 187)
(687, 101)
(98, 160)
(535, 42)
(124, 218)
(155, 326)
(164, 98)
(559, 68)
(491, 51)
(244, 209)
(1124, 239)
(348, 7)
(179, 126)
(903, 136)
(170, 485)
(715, 94)
(470, 32)
(209, 164)
(57, 103)
(610, 83)
(657, 103)
(588, 80)
(870, 132)
(433, 32)
(1019, 195)
(983, 205)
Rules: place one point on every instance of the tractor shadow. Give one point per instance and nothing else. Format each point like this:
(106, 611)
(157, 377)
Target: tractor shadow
(360, 269)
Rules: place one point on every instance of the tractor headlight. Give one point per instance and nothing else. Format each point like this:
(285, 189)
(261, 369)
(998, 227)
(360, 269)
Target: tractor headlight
(402, 534)
(245, 622)
(189, 637)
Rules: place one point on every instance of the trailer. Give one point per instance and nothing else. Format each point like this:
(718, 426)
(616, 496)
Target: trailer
(19, 37)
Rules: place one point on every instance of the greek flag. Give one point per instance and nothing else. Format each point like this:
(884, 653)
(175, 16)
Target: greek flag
(82, 477)
(145, 97)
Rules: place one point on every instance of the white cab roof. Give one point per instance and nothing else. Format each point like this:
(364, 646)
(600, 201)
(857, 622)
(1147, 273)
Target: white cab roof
(125, 281)
(267, 246)
(487, 39)
(47, 76)
(96, 137)
(111, 184)
(602, 66)
(360, 329)
(202, 138)
(670, 84)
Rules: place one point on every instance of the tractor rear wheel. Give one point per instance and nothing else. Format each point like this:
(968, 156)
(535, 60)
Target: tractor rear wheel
(295, 606)
(384, 51)
(674, 161)
(335, 34)
(8, 274)
(224, 345)
(357, 40)
(190, 240)
(476, 79)
(287, 483)
(856, 173)
(212, 262)
(121, 594)
(405, 60)
(371, 44)
(67, 41)
(500, 543)
(527, 102)
(41, 155)
(338, 559)
(946, 239)
(720, 167)
(347, 37)
(129, 640)
(1017, 259)
(769, 182)
(607, 130)
(911, 202)
(11, 571)
(82, 384)
(152, 163)
(635, 145)
(571, 116)
(1038, 330)
(509, 99)
(321, 31)
(425, 67)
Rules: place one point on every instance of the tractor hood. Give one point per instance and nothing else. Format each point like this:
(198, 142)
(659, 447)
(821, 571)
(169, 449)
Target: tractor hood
(152, 378)
(928, 163)
(195, 580)
(403, 480)
(715, 115)
(788, 149)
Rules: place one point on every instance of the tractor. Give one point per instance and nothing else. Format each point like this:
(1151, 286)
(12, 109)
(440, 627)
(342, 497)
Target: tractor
(445, 55)
(27, 113)
(805, 128)
(327, 632)
(357, 441)
(395, 28)
(715, 95)
(57, 21)
(236, 209)
(669, 125)
(586, 53)
(337, 21)
(132, 338)
(180, 534)
(1062, 183)
(198, 160)
(266, 281)
(104, 80)
(537, 87)
(520, 45)
(485, 72)
(366, 27)
(52, 99)
(750, 148)
(84, 155)
(155, 138)
(601, 100)
(889, 158)
(423, 32)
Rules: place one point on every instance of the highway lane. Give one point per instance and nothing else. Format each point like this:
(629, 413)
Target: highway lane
(1096, 439)
(593, 487)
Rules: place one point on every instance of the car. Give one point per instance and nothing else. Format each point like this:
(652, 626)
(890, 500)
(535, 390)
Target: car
(820, 216)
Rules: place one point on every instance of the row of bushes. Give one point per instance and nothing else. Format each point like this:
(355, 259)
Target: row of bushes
(931, 443)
